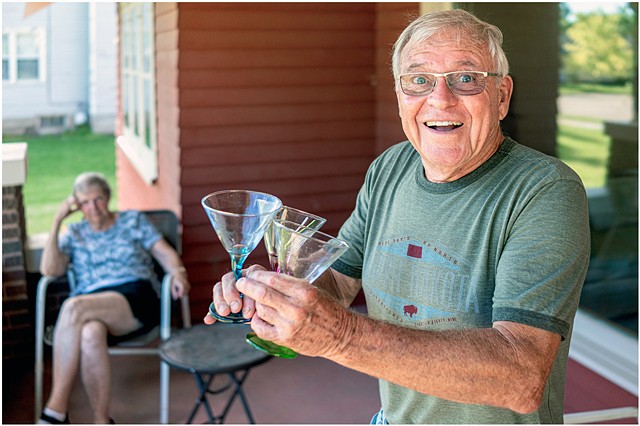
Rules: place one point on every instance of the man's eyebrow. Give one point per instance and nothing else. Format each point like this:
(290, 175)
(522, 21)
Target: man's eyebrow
(466, 63)
(463, 63)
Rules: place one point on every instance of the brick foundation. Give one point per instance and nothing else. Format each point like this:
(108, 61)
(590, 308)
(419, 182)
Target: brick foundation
(17, 327)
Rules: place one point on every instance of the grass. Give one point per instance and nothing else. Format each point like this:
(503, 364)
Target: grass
(53, 162)
(576, 88)
(586, 151)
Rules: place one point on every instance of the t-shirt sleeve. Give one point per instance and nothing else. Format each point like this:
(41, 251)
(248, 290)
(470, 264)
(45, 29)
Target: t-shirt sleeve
(66, 239)
(544, 261)
(353, 231)
(149, 235)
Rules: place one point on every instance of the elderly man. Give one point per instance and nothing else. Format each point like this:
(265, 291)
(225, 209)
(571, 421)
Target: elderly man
(471, 250)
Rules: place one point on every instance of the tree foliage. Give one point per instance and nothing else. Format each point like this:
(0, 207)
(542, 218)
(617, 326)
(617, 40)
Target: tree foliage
(597, 47)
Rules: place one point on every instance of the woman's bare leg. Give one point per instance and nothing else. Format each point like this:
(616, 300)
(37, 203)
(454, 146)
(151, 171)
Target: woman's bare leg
(109, 308)
(95, 367)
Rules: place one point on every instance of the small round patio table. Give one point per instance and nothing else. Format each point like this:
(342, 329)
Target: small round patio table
(209, 350)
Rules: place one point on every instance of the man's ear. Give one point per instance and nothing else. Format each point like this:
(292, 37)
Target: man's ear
(505, 91)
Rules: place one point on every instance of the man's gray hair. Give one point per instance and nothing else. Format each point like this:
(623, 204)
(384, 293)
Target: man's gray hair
(87, 179)
(468, 28)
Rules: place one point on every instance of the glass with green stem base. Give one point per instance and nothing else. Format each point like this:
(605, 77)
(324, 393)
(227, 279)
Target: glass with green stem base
(298, 216)
(303, 252)
(240, 218)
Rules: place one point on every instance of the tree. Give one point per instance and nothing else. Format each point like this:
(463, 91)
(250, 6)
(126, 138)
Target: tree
(598, 48)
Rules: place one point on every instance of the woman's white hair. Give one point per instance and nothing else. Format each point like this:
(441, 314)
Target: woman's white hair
(468, 29)
(87, 179)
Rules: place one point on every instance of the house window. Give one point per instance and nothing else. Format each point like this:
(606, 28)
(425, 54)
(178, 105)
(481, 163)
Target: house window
(137, 71)
(23, 55)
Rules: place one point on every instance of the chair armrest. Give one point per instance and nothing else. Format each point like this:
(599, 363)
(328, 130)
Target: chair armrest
(165, 308)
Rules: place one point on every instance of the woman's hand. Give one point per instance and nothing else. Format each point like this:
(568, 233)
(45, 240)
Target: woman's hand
(180, 284)
(68, 207)
(226, 297)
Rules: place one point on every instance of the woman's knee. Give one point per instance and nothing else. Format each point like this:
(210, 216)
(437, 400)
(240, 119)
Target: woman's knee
(79, 309)
(73, 309)
(93, 336)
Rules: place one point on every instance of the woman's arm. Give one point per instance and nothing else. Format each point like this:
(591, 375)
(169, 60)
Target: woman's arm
(172, 264)
(53, 261)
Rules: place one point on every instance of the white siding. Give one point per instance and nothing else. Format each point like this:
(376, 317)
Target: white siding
(65, 89)
(103, 85)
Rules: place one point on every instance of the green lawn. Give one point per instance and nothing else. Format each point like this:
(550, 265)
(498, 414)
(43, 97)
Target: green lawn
(574, 88)
(586, 151)
(53, 162)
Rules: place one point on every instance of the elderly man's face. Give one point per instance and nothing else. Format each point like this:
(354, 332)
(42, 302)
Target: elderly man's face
(453, 134)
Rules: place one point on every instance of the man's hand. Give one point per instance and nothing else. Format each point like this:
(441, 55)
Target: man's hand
(291, 312)
(226, 297)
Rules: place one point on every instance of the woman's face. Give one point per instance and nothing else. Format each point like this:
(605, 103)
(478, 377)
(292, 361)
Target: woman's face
(94, 205)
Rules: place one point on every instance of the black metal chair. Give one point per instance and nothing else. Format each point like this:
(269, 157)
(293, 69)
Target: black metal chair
(147, 344)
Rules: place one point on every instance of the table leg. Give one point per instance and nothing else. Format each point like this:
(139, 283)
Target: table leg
(238, 380)
(202, 399)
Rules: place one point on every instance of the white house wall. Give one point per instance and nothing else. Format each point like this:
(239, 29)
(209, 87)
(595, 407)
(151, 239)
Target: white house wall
(103, 84)
(65, 89)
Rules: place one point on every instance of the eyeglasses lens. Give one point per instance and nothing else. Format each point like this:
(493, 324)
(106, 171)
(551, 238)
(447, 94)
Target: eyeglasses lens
(460, 83)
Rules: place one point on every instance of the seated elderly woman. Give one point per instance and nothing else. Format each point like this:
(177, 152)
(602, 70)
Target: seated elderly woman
(115, 295)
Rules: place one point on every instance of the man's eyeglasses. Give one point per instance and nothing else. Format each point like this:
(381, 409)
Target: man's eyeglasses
(462, 83)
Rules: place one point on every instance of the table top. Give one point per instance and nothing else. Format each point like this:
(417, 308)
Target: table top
(211, 349)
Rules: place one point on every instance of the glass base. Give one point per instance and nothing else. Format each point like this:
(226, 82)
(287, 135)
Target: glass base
(229, 319)
(270, 347)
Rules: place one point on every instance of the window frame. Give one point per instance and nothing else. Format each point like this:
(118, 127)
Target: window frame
(12, 55)
(138, 138)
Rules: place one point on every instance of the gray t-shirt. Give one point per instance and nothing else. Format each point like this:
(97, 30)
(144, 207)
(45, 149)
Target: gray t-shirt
(106, 258)
(507, 242)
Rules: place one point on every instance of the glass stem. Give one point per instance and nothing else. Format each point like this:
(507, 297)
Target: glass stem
(236, 263)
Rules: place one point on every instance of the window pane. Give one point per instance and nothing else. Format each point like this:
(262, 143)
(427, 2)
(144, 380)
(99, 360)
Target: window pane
(27, 45)
(5, 69)
(147, 112)
(27, 69)
(125, 99)
(5, 45)
(138, 85)
(146, 38)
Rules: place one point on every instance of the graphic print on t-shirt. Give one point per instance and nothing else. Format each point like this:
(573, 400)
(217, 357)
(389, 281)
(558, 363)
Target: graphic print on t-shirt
(419, 283)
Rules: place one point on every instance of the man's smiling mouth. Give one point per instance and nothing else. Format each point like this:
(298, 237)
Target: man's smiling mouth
(443, 126)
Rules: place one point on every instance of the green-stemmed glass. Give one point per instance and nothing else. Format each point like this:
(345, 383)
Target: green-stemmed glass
(298, 216)
(303, 252)
(239, 218)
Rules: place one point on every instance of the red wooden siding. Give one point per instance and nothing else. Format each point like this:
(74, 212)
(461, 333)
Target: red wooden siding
(294, 99)
(391, 19)
(274, 97)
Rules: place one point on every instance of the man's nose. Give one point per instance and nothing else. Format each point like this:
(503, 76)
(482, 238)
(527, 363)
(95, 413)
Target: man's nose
(441, 97)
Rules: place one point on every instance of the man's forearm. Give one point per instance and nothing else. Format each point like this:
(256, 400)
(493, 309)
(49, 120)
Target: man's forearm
(480, 366)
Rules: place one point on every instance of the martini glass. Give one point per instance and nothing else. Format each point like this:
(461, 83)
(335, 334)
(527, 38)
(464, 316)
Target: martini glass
(239, 218)
(300, 217)
(303, 252)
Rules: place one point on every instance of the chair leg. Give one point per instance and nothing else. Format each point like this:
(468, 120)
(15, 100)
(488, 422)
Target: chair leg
(164, 392)
(41, 295)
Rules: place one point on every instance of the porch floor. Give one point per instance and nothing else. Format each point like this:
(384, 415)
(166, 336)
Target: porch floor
(300, 391)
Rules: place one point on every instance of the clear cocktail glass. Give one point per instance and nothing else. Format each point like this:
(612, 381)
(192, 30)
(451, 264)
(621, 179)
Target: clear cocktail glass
(303, 252)
(240, 218)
